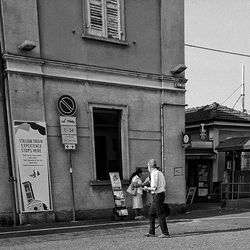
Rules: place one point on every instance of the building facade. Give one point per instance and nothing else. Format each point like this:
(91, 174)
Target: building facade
(121, 62)
(208, 165)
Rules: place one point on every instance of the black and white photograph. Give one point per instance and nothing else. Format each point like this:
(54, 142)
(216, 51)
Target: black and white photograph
(125, 124)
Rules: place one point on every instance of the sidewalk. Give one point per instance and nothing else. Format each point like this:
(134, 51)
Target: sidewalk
(202, 210)
(193, 212)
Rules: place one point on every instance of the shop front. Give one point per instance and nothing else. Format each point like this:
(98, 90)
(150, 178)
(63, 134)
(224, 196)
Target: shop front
(199, 173)
(236, 179)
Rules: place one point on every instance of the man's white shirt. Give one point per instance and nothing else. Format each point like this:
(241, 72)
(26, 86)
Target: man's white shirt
(157, 181)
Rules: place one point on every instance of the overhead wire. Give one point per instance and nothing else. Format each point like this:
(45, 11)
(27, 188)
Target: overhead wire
(225, 52)
(231, 94)
(237, 101)
(216, 50)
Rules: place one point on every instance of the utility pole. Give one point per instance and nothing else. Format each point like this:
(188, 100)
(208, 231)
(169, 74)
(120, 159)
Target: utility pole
(243, 88)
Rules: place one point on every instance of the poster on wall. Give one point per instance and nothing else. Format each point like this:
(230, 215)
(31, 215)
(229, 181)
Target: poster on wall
(245, 161)
(32, 159)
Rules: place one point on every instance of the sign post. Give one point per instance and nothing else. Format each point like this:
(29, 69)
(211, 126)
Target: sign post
(66, 106)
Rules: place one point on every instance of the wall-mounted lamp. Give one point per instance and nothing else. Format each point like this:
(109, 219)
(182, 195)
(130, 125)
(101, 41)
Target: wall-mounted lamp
(27, 45)
(178, 69)
(203, 133)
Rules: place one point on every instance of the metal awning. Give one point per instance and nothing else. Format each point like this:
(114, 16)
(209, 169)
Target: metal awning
(194, 153)
(235, 144)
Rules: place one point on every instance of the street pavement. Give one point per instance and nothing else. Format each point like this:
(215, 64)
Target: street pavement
(206, 229)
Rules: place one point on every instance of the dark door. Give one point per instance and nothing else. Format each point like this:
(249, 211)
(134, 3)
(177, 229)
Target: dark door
(107, 131)
(100, 157)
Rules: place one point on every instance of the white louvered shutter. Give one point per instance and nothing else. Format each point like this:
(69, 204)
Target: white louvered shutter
(113, 28)
(96, 17)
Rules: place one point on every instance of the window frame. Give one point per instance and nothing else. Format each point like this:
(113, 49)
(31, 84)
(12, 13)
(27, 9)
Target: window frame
(103, 36)
(124, 138)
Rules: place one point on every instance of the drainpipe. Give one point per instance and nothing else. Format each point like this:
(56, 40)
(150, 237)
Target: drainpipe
(3, 81)
(8, 146)
(161, 107)
(162, 131)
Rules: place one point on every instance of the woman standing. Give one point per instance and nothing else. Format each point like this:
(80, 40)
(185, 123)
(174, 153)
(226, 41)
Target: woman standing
(135, 179)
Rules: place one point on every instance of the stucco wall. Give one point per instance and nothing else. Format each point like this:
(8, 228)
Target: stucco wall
(35, 86)
(26, 94)
(172, 22)
(5, 190)
(174, 154)
(144, 138)
(154, 33)
(20, 23)
(142, 34)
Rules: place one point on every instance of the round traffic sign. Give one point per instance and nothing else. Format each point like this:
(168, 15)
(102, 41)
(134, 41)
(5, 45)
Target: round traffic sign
(66, 105)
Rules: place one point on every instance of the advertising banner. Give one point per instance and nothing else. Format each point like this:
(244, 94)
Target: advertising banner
(32, 159)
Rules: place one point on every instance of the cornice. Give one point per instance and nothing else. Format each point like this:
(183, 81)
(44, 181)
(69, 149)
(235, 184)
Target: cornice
(80, 72)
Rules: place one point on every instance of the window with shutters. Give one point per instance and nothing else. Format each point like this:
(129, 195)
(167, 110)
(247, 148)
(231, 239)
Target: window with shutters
(105, 18)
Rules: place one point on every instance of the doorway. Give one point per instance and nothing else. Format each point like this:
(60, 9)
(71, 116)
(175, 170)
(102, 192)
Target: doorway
(199, 176)
(107, 141)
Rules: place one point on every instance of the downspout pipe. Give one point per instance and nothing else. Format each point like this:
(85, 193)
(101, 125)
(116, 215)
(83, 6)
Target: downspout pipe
(161, 104)
(3, 80)
(162, 130)
(8, 146)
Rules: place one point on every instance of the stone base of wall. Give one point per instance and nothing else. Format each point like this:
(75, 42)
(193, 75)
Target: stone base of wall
(91, 214)
(37, 217)
(177, 209)
(107, 214)
(6, 219)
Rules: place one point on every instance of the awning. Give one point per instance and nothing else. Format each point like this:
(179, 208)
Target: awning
(234, 144)
(194, 153)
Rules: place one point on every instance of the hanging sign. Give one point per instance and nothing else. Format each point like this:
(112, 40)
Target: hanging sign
(32, 158)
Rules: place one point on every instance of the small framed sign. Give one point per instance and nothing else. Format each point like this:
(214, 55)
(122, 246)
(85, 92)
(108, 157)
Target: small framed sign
(186, 139)
(178, 171)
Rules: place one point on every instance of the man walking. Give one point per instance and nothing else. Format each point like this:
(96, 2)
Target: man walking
(157, 188)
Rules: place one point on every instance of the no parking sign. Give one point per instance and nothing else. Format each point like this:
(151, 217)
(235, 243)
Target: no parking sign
(66, 105)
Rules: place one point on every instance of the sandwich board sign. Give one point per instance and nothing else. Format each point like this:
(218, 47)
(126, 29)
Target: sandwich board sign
(120, 209)
(190, 195)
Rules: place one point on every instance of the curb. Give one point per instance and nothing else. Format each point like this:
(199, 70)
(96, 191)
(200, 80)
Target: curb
(62, 227)
(72, 227)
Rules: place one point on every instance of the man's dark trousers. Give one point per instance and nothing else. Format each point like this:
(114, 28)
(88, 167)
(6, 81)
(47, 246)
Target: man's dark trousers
(157, 210)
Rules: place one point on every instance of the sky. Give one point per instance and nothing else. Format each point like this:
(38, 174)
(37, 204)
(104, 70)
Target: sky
(214, 76)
